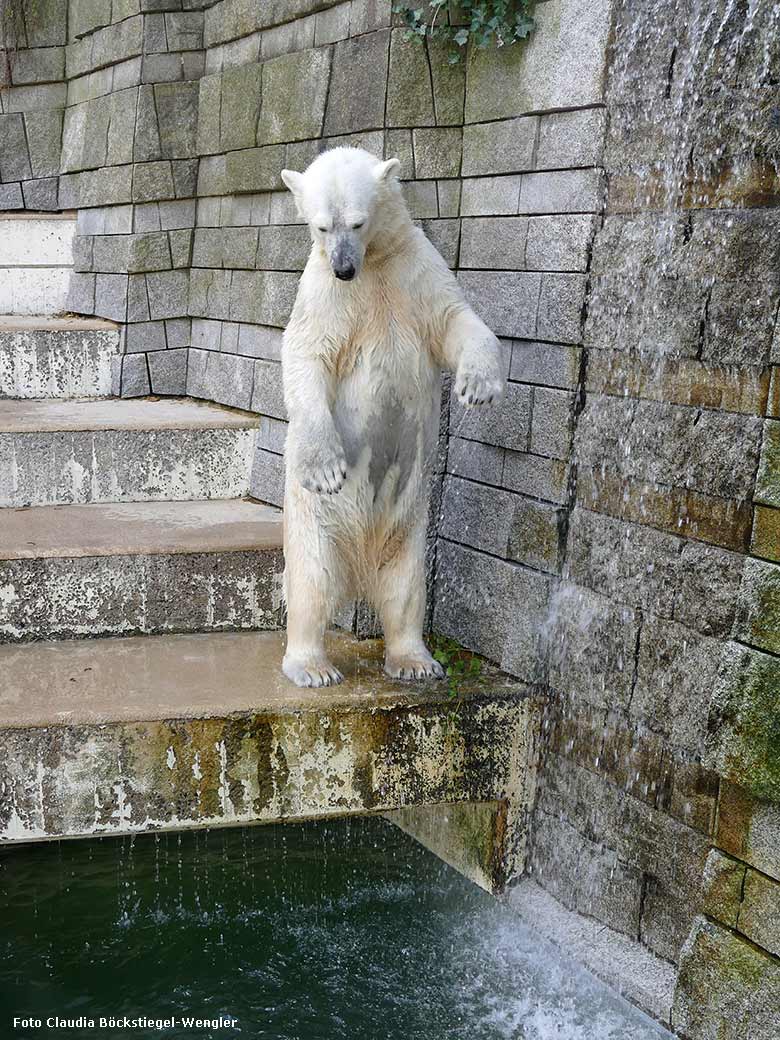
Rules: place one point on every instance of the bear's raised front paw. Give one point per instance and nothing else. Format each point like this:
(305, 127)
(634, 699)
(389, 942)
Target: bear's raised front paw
(419, 665)
(322, 467)
(475, 388)
(311, 671)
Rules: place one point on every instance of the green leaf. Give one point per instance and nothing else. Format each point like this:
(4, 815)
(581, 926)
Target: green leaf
(461, 37)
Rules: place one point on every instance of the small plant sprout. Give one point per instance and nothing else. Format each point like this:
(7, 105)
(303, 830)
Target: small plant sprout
(479, 22)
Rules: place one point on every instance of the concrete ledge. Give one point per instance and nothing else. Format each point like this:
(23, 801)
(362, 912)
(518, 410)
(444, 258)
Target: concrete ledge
(46, 357)
(121, 736)
(621, 962)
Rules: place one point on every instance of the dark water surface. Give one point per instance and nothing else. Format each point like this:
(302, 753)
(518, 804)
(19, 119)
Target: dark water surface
(346, 930)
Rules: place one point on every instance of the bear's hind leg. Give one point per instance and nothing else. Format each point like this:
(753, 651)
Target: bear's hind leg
(399, 598)
(309, 574)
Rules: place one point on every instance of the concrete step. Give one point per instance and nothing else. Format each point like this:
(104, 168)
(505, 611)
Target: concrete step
(47, 357)
(63, 452)
(125, 735)
(36, 258)
(96, 570)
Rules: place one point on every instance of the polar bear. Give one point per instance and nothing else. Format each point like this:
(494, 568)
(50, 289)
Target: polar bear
(377, 317)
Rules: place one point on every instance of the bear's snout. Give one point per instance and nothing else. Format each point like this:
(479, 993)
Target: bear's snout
(345, 273)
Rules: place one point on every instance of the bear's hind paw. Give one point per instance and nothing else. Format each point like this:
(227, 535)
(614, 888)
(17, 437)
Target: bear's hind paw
(314, 672)
(413, 666)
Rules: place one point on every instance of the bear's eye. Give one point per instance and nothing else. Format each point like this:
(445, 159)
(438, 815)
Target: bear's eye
(359, 224)
(324, 230)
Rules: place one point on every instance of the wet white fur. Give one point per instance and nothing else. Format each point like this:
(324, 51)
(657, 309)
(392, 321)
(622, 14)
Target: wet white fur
(361, 365)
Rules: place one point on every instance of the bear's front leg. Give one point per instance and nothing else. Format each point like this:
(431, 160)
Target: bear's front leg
(313, 588)
(473, 353)
(319, 462)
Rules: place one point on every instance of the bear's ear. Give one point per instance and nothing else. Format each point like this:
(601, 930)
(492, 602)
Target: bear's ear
(384, 171)
(293, 180)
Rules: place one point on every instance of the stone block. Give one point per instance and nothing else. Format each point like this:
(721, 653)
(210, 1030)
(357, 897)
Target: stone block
(709, 583)
(758, 612)
(111, 253)
(445, 236)
(768, 479)
(177, 114)
(494, 243)
(487, 196)
(178, 333)
(506, 146)
(398, 145)
(571, 139)
(267, 394)
(146, 218)
(551, 423)
(260, 341)
(437, 152)
(749, 829)
(506, 301)
(740, 321)
(535, 535)
(167, 293)
(449, 84)
(149, 252)
(332, 25)
(44, 136)
(562, 191)
(356, 98)
(505, 425)
(628, 562)
(421, 199)
(477, 515)
(759, 915)
(282, 248)
(766, 533)
(253, 170)
(135, 376)
(152, 181)
(185, 177)
(155, 39)
(559, 243)
(725, 983)
(295, 88)
(209, 293)
(46, 24)
(37, 65)
(41, 194)
(240, 107)
(545, 364)
(448, 192)
(209, 114)
(534, 475)
(475, 461)
(177, 215)
(207, 248)
(369, 15)
(271, 435)
(40, 97)
(288, 37)
(111, 296)
(561, 307)
(14, 157)
(262, 297)
(81, 293)
(168, 372)
(474, 597)
(677, 670)
(666, 920)
(743, 741)
(239, 247)
(267, 481)
(561, 65)
(409, 84)
(224, 378)
(145, 336)
(11, 196)
(592, 646)
(184, 30)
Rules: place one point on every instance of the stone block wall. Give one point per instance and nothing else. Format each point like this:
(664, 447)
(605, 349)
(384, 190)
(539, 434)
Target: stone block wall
(662, 772)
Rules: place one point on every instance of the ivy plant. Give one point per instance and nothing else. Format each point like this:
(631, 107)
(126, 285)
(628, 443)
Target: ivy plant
(477, 22)
(459, 664)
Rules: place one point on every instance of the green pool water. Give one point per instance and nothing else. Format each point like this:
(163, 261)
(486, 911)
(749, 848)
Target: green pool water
(341, 931)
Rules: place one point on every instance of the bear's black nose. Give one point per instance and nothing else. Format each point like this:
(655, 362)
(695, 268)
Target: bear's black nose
(346, 273)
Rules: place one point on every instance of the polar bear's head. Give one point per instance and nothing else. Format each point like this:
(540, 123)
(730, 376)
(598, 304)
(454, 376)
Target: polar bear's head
(343, 197)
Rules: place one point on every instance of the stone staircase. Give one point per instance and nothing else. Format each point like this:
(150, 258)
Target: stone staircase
(140, 651)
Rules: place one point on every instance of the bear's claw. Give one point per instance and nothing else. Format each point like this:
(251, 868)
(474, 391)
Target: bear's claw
(413, 666)
(317, 672)
(475, 389)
